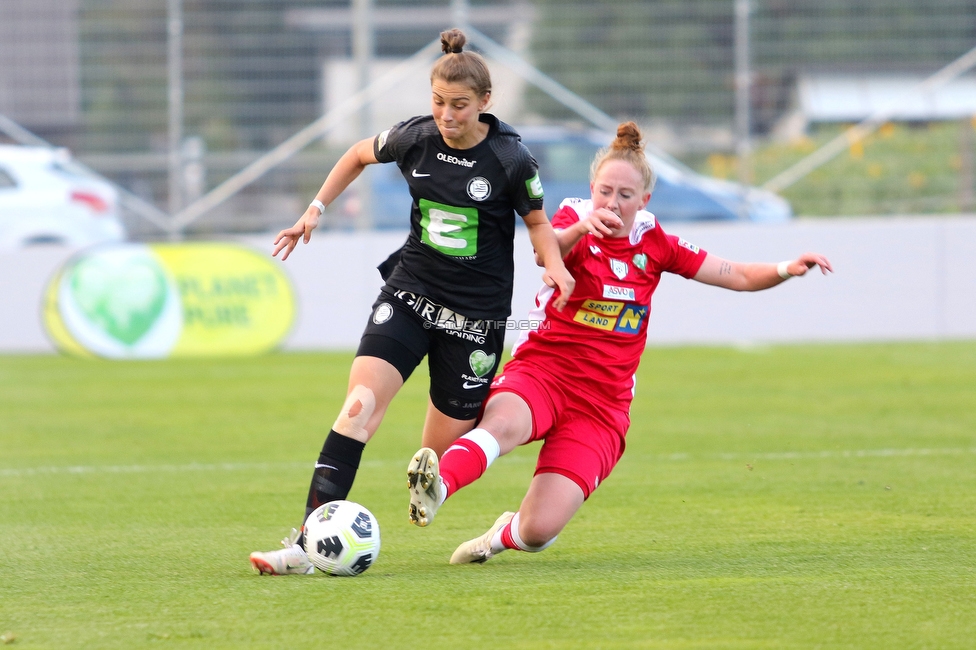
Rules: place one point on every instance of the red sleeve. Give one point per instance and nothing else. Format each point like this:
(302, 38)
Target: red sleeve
(564, 218)
(683, 258)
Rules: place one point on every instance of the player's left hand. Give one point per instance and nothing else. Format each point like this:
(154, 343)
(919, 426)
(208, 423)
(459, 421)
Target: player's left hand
(807, 261)
(601, 223)
(562, 279)
(288, 238)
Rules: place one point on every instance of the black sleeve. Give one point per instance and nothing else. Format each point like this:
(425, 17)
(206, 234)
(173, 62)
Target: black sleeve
(523, 175)
(391, 145)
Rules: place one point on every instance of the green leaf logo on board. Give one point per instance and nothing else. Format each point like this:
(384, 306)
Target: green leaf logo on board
(115, 301)
(123, 297)
(481, 363)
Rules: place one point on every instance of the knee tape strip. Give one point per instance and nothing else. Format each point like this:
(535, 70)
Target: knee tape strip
(355, 413)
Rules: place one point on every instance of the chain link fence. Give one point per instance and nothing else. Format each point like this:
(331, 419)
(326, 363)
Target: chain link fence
(95, 76)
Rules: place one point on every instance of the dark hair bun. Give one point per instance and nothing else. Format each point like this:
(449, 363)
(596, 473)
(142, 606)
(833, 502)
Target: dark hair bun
(452, 41)
(628, 137)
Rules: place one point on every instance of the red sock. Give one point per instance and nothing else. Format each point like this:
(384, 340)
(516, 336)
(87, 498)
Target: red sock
(462, 464)
(507, 540)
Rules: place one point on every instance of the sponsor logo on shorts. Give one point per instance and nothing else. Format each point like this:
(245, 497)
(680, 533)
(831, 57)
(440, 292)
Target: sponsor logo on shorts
(479, 188)
(620, 293)
(620, 269)
(623, 318)
(456, 403)
(382, 313)
(694, 249)
(445, 319)
(481, 363)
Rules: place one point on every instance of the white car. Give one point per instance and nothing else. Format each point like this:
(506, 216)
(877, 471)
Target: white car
(46, 199)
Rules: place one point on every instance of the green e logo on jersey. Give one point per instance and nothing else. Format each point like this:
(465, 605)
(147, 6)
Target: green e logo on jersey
(452, 231)
(534, 186)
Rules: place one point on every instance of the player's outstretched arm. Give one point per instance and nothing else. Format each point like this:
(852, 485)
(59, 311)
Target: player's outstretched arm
(740, 276)
(346, 170)
(600, 223)
(547, 254)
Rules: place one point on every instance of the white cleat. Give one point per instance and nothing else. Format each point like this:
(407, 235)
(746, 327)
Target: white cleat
(478, 550)
(426, 489)
(292, 559)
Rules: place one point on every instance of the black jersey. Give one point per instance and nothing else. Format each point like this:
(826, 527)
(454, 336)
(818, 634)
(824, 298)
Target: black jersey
(462, 222)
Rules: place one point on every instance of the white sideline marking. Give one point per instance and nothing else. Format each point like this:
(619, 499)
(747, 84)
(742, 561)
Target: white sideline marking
(802, 455)
(141, 469)
(239, 467)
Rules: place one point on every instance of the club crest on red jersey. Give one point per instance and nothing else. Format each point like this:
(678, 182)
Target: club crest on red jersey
(619, 268)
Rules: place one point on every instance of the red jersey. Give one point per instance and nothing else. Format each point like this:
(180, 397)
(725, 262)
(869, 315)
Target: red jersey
(597, 339)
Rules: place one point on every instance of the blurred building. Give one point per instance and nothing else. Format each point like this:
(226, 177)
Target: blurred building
(92, 74)
(40, 72)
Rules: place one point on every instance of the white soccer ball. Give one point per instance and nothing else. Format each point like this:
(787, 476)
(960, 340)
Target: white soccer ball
(342, 538)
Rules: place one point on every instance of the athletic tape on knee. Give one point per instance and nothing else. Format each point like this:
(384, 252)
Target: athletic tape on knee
(522, 545)
(487, 443)
(354, 426)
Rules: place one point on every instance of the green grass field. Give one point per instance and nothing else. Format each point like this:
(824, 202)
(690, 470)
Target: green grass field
(781, 497)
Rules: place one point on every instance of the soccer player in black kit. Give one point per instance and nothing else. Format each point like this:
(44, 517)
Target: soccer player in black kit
(448, 290)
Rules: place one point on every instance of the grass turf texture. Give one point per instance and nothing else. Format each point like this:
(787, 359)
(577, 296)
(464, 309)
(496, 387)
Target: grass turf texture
(782, 497)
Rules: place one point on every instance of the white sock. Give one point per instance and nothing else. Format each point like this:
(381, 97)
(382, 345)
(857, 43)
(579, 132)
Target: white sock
(496, 542)
(486, 441)
(518, 540)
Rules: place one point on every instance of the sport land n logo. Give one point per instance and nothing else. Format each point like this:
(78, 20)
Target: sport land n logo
(134, 301)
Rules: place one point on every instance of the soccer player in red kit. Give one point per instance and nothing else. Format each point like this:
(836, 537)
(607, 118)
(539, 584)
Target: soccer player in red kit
(570, 382)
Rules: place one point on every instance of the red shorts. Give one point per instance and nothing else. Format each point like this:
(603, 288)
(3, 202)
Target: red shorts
(581, 440)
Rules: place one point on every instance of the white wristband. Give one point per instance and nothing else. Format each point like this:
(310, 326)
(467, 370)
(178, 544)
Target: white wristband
(783, 271)
(318, 204)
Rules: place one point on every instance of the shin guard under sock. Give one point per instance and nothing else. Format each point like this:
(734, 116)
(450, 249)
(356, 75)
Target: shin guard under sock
(467, 459)
(335, 471)
(462, 464)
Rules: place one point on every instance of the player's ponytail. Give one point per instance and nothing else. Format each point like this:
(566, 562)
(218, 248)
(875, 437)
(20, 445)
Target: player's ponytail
(458, 66)
(629, 147)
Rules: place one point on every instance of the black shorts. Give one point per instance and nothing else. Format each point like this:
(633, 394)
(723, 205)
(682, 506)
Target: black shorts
(463, 354)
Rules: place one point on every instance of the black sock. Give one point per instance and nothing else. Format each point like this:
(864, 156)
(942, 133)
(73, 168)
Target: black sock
(335, 471)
